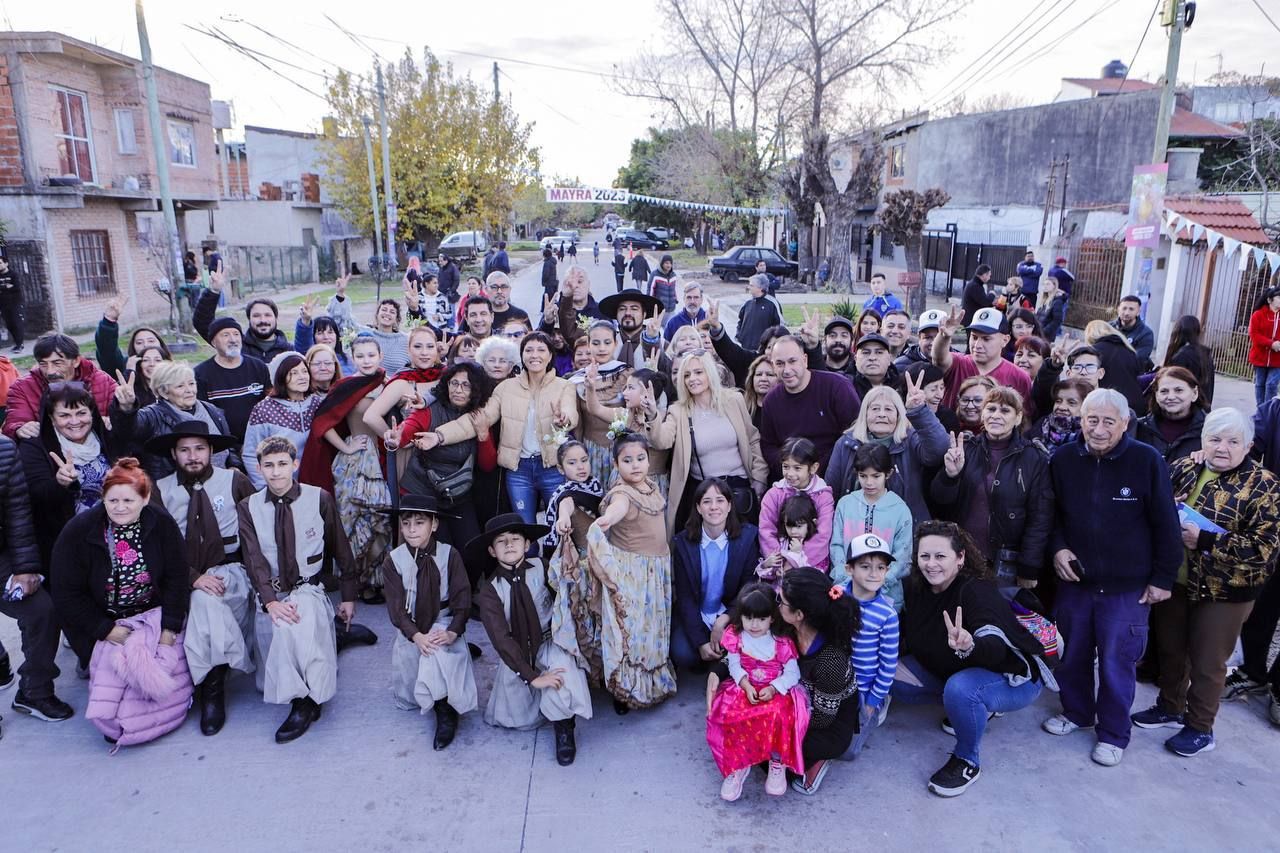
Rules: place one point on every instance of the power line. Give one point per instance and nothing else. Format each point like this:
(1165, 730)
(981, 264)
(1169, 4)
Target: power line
(1270, 20)
(569, 119)
(1136, 50)
(254, 55)
(350, 35)
(1027, 60)
(982, 54)
(236, 19)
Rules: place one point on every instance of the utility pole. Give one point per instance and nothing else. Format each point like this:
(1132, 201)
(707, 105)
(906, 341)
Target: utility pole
(1173, 18)
(159, 149)
(496, 96)
(373, 202)
(1048, 199)
(390, 259)
(1062, 213)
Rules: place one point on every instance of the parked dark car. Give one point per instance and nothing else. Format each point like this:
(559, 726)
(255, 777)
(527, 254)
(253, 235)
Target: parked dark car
(638, 239)
(740, 262)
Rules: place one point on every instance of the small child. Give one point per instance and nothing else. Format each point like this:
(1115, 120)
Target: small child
(434, 305)
(536, 679)
(575, 622)
(761, 713)
(429, 600)
(872, 508)
(875, 647)
(799, 476)
(643, 405)
(799, 522)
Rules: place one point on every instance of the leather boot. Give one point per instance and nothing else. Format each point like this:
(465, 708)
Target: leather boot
(446, 725)
(213, 706)
(356, 635)
(304, 712)
(566, 748)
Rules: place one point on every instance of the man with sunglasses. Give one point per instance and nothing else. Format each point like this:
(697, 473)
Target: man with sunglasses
(58, 359)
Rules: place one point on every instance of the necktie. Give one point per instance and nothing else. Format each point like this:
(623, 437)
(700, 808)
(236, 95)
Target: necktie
(286, 549)
(204, 537)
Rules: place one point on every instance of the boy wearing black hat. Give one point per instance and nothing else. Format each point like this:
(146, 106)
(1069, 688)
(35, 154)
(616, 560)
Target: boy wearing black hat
(202, 499)
(429, 599)
(537, 679)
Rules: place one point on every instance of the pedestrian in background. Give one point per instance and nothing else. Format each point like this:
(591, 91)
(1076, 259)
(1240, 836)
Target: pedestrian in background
(10, 301)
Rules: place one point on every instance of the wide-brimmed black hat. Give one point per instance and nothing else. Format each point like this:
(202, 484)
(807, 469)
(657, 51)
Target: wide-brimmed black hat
(161, 445)
(478, 548)
(422, 503)
(610, 304)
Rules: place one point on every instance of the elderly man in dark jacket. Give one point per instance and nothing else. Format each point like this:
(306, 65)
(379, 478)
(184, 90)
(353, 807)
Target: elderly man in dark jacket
(24, 597)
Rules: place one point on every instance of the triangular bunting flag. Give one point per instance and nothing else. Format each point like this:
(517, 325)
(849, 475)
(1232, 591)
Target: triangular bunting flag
(1173, 219)
(1244, 261)
(1197, 232)
(1229, 246)
(1212, 237)
(1274, 259)
(1259, 255)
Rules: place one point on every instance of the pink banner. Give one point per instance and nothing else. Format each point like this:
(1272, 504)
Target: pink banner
(1146, 206)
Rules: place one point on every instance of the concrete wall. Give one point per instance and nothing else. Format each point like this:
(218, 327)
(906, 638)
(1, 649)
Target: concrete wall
(255, 223)
(1002, 158)
(276, 157)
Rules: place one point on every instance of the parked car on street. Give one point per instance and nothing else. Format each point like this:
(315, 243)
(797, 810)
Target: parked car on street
(464, 244)
(740, 262)
(638, 239)
(660, 233)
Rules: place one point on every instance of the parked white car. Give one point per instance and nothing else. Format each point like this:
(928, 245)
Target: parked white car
(464, 244)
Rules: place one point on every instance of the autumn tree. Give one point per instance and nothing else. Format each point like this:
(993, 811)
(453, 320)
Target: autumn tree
(902, 218)
(458, 158)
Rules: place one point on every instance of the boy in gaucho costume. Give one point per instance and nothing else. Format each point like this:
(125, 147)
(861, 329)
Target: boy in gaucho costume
(429, 599)
(536, 679)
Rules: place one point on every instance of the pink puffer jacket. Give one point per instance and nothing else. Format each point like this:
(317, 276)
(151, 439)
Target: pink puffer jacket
(141, 689)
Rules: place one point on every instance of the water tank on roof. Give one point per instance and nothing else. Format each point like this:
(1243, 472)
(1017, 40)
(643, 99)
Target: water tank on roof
(1114, 70)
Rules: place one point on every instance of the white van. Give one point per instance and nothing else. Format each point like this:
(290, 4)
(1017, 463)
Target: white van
(464, 244)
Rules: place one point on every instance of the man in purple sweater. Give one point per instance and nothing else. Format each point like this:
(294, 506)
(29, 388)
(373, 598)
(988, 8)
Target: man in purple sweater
(816, 404)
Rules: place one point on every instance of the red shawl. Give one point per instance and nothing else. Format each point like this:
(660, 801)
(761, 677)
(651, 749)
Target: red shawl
(317, 458)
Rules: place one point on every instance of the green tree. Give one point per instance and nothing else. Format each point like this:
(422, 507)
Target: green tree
(458, 158)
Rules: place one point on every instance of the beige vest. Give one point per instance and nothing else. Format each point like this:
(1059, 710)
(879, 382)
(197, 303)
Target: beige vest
(308, 530)
(402, 557)
(177, 499)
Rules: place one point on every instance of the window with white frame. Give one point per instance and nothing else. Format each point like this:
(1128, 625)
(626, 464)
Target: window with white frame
(126, 134)
(182, 143)
(71, 130)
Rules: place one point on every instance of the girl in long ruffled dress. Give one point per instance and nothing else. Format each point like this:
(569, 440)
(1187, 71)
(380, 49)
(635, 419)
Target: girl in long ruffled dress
(761, 713)
(605, 376)
(575, 623)
(628, 552)
(643, 404)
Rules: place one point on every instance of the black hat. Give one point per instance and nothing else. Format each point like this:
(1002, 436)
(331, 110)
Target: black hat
(221, 324)
(419, 503)
(841, 322)
(161, 445)
(873, 338)
(477, 550)
(610, 304)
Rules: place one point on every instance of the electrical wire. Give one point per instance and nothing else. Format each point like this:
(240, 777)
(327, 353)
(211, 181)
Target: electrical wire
(1106, 6)
(533, 95)
(955, 78)
(1270, 20)
(1136, 50)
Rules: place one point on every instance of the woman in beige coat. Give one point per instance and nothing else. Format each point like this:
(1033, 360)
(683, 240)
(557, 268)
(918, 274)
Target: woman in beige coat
(715, 420)
(535, 410)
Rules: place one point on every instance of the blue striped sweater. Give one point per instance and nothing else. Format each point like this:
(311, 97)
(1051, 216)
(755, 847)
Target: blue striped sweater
(875, 650)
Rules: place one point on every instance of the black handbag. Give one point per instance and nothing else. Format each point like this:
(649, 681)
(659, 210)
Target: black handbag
(745, 500)
(419, 478)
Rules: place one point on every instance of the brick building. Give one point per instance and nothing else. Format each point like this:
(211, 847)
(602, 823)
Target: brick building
(78, 187)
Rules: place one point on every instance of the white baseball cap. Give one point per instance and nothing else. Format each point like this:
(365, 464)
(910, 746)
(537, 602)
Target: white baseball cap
(932, 319)
(988, 321)
(868, 543)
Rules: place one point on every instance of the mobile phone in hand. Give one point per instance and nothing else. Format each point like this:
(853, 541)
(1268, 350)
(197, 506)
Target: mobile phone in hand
(1077, 569)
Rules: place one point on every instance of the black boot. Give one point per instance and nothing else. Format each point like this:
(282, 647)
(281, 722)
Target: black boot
(356, 635)
(566, 748)
(213, 705)
(621, 708)
(304, 712)
(475, 650)
(446, 725)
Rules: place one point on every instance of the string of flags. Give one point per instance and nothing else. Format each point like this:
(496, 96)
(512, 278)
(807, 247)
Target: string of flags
(1175, 222)
(709, 208)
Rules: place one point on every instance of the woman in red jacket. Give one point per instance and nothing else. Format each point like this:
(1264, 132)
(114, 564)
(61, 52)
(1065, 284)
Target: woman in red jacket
(1264, 349)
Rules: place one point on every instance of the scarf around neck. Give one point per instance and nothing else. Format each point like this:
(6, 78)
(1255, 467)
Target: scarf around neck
(82, 454)
(526, 626)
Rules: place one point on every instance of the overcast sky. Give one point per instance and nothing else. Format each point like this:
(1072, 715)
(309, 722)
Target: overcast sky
(582, 125)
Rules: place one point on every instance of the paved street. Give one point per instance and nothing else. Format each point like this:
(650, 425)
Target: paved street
(365, 777)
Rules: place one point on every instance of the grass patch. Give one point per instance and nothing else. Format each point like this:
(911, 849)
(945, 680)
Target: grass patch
(793, 315)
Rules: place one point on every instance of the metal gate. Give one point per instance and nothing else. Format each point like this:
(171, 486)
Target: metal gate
(1225, 309)
(29, 270)
(1098, 266)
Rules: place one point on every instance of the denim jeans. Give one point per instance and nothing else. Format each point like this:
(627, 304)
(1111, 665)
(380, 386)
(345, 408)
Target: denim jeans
(1266, 381)
(969, 697)
(531, 485)
(868, 726)
(1114, 626)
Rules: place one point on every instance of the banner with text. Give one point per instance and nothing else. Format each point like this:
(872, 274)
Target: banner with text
(1146, 204)
(587, 195)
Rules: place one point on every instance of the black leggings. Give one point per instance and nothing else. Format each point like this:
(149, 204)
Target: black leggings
(458, 526)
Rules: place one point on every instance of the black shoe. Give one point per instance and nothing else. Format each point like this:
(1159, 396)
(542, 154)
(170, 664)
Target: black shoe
(373, 595)
(49, 708)
(954, 777)
(446, 725)
(566, 748)
(17, 348)
(621, 708)
(6, 672)
(304, 713)
(213, 704)
(356, 635)
(475, 650)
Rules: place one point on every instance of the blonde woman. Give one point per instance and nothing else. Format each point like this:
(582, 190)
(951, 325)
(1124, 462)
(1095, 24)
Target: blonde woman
(1120, 365)
(324, 366)
(689, 339)
(911, 431)
(710, 434)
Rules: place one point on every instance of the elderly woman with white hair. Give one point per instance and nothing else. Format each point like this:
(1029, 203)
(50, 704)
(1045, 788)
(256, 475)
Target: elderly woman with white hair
(915, 437)
(174, 384)
(498, 356)
(1230, 532)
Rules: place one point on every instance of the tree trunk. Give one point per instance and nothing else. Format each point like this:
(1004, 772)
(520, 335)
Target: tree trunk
(840, 211)
(914, 251)
(805, 240)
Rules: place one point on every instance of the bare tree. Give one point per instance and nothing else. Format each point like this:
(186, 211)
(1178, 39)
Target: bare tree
(903, 219)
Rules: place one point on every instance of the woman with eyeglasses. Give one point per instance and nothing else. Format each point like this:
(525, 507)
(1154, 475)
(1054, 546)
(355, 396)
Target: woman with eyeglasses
(323, 330)
(325, 369)
(1119, 362)
(973, 391)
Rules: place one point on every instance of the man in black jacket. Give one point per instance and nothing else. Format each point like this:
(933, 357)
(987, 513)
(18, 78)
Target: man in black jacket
(976, 295)
(23, 597)
(501, 261)
(263, 339)
(450, 277)
(551, 281)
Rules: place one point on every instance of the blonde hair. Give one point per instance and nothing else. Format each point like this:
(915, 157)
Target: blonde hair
(754, 401)
(683, 332)
(1099, 329)
(319, 348)
(713, 381)
(168, 374)
(1044, 299)
(859, 428)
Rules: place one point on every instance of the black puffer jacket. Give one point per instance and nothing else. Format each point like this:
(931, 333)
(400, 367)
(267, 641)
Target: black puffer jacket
(142, 425)
(1148, 432)
(18, 552)
(1121, 366)
(1021, 499)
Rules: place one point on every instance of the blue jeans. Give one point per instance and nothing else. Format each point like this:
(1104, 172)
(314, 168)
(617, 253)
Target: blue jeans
(969, 697)
(868, 726)
(531, 485)
(1266, 381)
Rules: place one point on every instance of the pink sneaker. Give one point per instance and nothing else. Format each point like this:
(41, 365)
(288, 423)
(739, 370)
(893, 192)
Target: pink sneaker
(731, 789)
(776, 784)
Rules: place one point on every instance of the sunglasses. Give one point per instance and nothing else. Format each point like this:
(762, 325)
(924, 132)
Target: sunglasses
(66, 385)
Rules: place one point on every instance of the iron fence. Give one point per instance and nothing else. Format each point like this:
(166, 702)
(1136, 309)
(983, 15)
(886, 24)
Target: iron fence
(1098, 265)
(258, 267)
(1222, 297)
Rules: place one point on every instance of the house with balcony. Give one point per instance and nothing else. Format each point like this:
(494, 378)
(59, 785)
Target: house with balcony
(78, 191)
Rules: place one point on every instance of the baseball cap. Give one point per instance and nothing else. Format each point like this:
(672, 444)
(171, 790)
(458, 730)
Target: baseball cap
(988, 321)
(841, 322)
(1060, 261)
(868, 543)
(873, 338)
(932, 319)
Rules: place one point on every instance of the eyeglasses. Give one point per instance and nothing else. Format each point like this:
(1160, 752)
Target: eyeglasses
(515, 335)
(457, 385)
(971, 402)
(1086, 369)
(499, 287)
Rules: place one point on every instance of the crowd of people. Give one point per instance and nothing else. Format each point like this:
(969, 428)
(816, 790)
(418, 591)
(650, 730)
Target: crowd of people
(820, 520)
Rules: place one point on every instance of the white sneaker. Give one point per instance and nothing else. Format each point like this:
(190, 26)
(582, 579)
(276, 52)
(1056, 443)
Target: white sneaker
(776, 784)
(1107, 754)
(731, 788)
(1059, 725)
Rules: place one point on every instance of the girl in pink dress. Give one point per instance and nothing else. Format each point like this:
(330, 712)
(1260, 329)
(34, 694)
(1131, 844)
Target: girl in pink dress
(760, 713)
